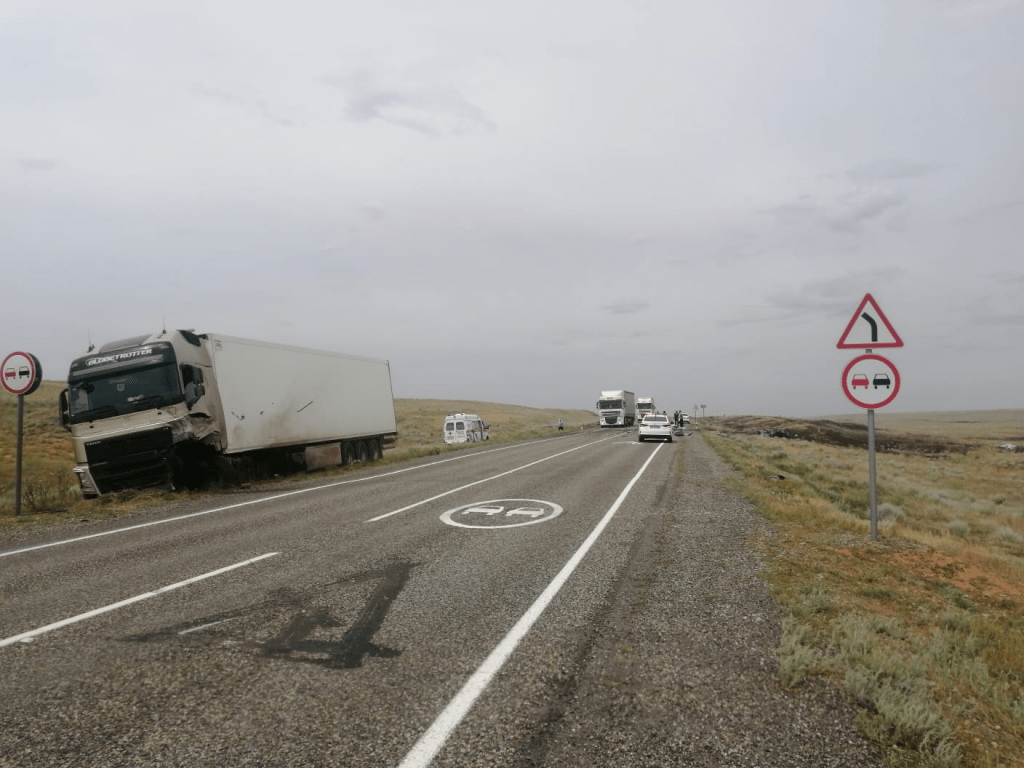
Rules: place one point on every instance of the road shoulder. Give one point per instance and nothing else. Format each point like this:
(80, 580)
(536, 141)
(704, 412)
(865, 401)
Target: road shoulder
(685, 672)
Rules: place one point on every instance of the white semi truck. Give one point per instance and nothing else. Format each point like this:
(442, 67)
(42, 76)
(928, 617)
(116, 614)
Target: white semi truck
(179, 409)
(616, 408)
(644, 406)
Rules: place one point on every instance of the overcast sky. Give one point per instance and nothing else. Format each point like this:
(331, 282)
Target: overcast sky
(528, 202)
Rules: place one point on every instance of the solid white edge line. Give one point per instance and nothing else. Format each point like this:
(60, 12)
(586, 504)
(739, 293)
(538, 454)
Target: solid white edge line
(428, 745)
(205, 626)
(486, 479)
(24, 636)
(260, 501)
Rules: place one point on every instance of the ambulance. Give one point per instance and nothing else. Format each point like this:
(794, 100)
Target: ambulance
(465, 428)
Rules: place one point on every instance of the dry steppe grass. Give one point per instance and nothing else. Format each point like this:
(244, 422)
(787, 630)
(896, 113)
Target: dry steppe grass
(925, 627)
(50, 490)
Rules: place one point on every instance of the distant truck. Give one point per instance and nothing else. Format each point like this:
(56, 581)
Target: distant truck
(616, 408)
(465, 428)
(644, 406)
(179, 409)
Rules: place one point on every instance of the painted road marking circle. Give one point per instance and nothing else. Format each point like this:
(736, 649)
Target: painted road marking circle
(502, 513)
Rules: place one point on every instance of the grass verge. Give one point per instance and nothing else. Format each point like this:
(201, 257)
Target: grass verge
(922, 628)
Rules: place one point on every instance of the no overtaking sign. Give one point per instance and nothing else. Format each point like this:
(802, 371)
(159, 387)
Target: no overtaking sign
(21, 373)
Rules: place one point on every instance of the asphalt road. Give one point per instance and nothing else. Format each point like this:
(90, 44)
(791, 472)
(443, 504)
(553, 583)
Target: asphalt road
(331, 626)
(580, 600)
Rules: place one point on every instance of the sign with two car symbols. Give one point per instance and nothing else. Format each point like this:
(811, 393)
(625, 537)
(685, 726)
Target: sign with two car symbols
(871, 381)
(21, 373)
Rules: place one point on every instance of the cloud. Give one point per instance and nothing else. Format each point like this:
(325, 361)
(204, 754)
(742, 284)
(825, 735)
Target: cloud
(847, 212)
(958, 9)
(431, 112)
(252, 106)
(1007, 277)
(35, 164)
(834, 296)
(627, 307)
(852, 211)
(890, 169)
(1000, 208)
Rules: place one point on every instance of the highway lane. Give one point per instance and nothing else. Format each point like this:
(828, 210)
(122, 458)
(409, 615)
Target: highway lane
(345, 646)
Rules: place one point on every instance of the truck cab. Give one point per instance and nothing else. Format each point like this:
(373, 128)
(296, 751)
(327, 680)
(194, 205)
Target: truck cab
(644, 407)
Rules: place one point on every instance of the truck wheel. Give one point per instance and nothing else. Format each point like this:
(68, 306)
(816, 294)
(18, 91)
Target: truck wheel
(349, 454)
(363, 452)
(376, 450)
(641, 439)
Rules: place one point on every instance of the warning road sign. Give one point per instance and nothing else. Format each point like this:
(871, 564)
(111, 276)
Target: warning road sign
(869, 328)
(871, 381)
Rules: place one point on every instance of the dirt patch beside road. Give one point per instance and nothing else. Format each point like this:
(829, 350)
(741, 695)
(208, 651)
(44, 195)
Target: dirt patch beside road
(846, 434)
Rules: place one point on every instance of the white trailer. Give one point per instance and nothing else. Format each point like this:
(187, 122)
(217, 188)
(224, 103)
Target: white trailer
(178, 409)
(272, 395)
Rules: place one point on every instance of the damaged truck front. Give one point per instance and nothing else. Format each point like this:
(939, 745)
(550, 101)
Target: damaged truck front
(179, 409)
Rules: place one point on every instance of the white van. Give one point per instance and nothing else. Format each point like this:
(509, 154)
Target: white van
(465, 428)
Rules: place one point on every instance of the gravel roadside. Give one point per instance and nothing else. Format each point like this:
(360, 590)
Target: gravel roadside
(691, 678)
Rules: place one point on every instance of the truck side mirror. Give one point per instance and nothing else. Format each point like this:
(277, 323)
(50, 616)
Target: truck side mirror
(192, 379)
(64, 406)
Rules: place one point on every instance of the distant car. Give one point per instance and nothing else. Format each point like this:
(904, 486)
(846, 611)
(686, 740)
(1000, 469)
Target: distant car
(656, 425)
(860, 380)
(881, 380)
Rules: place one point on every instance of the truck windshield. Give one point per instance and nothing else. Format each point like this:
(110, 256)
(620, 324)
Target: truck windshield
(609, 404)
(117, 393)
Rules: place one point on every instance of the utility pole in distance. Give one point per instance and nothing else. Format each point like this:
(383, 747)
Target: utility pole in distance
(702, 407)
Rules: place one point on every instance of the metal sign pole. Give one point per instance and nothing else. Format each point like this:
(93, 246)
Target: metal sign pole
(872, 493)
(17, 460)
(868, 328)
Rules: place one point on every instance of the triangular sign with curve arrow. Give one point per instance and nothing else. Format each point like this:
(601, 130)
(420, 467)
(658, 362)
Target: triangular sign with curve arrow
(869, 328)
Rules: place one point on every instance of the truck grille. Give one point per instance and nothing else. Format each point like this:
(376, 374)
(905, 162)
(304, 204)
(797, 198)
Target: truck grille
(611, 419)
(139, 460)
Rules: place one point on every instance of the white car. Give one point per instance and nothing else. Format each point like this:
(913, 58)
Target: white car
(656, 425)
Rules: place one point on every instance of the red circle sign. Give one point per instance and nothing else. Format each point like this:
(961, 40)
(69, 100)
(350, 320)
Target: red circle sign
(21, 373)
(871, 381)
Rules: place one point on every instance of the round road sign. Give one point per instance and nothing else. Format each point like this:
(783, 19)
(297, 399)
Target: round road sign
(871, 381)
(21, 373)
(502, 513)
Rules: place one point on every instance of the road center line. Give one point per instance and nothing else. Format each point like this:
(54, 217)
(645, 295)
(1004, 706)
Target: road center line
(424, 750)
(28, 636)
(260, 501)
(486, 479)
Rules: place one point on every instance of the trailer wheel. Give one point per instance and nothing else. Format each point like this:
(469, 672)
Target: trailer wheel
(363, 451)
(349, 454)
(376, 450)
